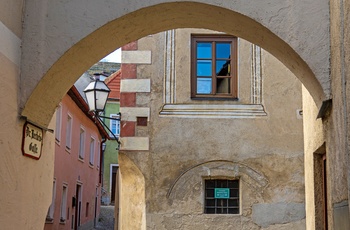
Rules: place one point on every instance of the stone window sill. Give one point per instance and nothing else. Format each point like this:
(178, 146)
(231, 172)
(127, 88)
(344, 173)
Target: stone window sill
(213, 111)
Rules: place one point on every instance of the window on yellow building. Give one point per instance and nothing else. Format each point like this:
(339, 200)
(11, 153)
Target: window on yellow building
(214, 67)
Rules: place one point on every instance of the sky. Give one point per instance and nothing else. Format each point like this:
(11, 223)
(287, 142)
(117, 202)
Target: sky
(113, 57)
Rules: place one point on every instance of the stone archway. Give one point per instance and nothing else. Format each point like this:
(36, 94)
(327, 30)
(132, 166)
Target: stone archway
(51, 63)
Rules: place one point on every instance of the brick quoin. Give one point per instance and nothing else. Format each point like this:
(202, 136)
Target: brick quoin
(128, 71)
(128, 100)
(130, 46)
(127, 128)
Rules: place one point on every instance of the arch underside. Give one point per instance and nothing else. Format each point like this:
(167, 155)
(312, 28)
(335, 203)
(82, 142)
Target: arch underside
(40, 102)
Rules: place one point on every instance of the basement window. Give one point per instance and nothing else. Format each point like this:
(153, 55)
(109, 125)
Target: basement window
(221, 196)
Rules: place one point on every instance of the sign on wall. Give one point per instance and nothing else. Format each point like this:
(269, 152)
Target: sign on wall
(222, 193)
(32, 141)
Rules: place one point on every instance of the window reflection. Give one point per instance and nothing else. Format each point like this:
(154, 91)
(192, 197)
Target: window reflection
(204, 85)
(223, 50)
(223, 68)
(204, 50)
(204, 68)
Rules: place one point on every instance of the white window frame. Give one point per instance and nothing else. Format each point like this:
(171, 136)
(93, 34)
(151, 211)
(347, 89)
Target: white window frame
(58, 123)
(98, 154)
(92, 150)
(69, 128)
(51, 211)
(82, 135)
(117, 124)
(63, 209)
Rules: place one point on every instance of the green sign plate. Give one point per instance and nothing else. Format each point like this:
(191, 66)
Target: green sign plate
(222, 193)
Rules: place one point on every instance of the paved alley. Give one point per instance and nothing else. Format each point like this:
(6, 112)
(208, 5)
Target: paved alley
(106, 219)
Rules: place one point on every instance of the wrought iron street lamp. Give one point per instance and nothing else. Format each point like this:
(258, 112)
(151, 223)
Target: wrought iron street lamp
(96, 94)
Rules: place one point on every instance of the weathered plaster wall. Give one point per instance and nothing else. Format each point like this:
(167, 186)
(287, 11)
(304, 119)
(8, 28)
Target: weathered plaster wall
(337, 123)
(183, 151)
(332, 131)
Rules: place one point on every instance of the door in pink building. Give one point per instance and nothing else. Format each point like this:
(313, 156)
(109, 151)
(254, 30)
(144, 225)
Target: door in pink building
(77, 207)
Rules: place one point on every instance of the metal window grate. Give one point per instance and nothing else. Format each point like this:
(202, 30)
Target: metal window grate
(228, 205)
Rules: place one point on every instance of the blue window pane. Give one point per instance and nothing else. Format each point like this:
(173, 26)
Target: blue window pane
(204, 68)
(203, 50)
(114, 126)
(204, 85)
(223, 50)
(223, 68)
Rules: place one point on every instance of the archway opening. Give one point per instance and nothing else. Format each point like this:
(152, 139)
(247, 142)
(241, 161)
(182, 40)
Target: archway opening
(63, 73)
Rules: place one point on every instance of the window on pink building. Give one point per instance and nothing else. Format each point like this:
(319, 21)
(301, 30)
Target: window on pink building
(69, 131)
(58, 123)
(92, 150)
(82, 143)
(63, 213)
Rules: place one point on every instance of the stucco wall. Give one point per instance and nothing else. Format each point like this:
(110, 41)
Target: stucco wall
(24, 181)
(313, 140)
(184, 151)
(336, 124)
(71, 170)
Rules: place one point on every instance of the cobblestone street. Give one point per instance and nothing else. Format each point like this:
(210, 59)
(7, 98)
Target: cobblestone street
(106, 219)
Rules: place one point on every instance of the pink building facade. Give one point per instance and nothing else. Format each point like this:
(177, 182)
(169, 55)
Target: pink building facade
(76, 186)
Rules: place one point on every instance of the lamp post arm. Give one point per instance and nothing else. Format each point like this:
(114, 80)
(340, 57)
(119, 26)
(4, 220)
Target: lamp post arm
(101, 121)
(110, 118)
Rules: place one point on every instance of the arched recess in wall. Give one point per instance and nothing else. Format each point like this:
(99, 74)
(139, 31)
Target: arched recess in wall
(192, 178)
(61, 76)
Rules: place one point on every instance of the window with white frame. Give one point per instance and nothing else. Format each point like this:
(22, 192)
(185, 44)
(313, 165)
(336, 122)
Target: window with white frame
(63, 211)
(82, 143)
(50, 212)
(69, 131)
(92, 150)
(98, 154)
(58, 123)
(115, 124)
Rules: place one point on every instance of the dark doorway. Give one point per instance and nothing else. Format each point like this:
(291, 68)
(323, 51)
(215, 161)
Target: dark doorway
(320, 188)
(114, 184)
(77, 207)
(324, 185)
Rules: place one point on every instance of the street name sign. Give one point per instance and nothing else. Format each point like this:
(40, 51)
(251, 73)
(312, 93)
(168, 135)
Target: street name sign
(32, 141)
